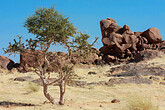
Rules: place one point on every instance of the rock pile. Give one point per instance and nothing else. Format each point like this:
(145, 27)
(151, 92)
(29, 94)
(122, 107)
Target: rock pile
(120, 42)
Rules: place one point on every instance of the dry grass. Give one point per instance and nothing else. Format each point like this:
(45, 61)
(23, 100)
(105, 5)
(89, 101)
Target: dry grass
(78, 98)
(4, 71)
(157, 61)
(32, 87)
(140, 103)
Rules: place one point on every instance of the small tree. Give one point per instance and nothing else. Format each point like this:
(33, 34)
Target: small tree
(50, 27)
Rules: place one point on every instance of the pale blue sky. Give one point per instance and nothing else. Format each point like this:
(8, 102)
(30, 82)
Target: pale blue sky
(85, 14)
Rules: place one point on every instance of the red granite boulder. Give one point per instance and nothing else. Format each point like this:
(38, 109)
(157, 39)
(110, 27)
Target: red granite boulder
(153, 35)
(108, 26)
(6, 63)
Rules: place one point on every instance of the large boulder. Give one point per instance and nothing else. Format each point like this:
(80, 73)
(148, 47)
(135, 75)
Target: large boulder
(30, 58)
(153, 35)
(6, 63)
(115, 38)
(126, 30)
(129, 39)
(106, 42)
(113, 27)
(112, 40)
(108, 26)
(106, 22)
(105, 50)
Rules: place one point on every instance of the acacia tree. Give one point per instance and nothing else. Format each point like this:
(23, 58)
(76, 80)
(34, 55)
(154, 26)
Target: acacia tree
(51, 28)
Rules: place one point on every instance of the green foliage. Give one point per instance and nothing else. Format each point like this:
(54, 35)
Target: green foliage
(68, 72)
(81, 46)
(16, 47)
(140, 103)
(50, 26)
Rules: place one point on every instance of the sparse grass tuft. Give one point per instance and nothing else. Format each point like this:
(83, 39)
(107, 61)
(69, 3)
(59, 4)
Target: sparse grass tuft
(140, 103)
(4, 71)
(163, 56)
(32, 87)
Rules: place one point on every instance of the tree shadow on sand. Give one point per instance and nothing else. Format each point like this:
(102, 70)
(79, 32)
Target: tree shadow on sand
(7, 104)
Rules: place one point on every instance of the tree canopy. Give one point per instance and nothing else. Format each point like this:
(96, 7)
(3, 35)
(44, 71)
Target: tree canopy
(50, 26)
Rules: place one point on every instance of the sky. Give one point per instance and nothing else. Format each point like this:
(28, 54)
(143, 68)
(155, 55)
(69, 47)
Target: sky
(84, 14)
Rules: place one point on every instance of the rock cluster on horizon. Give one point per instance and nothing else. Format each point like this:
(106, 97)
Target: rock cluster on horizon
(121, 43)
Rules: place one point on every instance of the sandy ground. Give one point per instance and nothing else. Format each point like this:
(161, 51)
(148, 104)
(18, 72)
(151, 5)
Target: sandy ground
(93, 97)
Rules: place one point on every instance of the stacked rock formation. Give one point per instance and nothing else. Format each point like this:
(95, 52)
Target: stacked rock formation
(121, 43)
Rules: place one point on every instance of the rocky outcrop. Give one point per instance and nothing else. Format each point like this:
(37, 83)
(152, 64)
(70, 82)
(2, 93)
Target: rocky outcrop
(122, 43)
(129, 80)
(147, 55)
(135, 73)
(30, 59)
(6, 63)
(35, 58)
(129, 70)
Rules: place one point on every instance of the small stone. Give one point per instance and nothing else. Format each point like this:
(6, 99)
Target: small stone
(115, 101)
(101, 105)
(90, 73)
(162, 83)
(154, 78)
(26, 78)
(102, 83)
(8, 106)
(92, 83)
(77, 83)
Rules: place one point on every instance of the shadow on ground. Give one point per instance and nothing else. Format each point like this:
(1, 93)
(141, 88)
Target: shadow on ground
(6, 103)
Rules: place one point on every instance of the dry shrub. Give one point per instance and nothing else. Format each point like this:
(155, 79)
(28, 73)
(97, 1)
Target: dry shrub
(4, 71)
(32, 87)
(140, 103)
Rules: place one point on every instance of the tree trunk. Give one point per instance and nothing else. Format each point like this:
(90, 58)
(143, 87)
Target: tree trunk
(44, 80)
(62, 91)
(47, 95)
